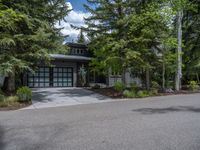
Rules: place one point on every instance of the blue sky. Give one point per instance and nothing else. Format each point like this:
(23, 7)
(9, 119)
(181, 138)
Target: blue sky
(75, 17)
(78, 4)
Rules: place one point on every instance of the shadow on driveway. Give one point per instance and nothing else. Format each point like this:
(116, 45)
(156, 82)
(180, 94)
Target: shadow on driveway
(149, 111)
(45, 95)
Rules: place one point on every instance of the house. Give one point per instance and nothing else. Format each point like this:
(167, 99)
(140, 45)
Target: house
(65, 71)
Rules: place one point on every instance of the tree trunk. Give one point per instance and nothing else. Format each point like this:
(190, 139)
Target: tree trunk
(163, 76)
(179, 52)
(124, 77)
(147, 79)
(197, 78)
(10, 86)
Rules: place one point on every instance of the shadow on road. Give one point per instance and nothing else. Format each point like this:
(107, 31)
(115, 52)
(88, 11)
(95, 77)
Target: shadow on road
(167, 110)
(2, 144)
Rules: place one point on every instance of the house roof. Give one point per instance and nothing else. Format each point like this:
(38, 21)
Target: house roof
(70, 57)
(78, 45)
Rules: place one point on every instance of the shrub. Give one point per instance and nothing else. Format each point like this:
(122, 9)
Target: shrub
(1, 92)
(129, 94)
(119, 87)
(24, 93)
(193, 85)
(134, 86)
(12, 99)
(153, 92)
(142, 94)
(2, 98)
(155, 85)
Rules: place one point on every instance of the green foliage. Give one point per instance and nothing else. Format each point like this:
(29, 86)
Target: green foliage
(2, 98)
(82, 74)
(81, 37)
(153, 92)
(119, 86)
(9, 101)
(129, 94)
(193, 85)
(141, 94)
(24, 94)
(134, 86)
(12, 98)
(28, 33)
(155, 85)
(1, 92)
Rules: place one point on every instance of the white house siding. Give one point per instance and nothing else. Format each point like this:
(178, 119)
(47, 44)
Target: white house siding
(112, 79)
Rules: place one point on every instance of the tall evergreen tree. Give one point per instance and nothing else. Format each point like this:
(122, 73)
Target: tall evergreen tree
(125, 34)
(191, 36)
(81, 37)
(28, 34)
(108, 33)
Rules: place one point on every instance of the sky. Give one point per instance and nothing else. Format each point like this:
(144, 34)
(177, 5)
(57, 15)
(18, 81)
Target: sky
(75, 17)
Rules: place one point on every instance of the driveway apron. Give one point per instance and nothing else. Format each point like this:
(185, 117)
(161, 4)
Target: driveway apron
(53, 97)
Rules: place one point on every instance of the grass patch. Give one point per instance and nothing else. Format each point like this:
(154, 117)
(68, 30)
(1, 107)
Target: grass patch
(12, 103)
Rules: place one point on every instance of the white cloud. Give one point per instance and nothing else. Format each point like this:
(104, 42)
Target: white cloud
(75, 18)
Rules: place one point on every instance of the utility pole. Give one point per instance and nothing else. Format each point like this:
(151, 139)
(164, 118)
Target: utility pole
(179, 52)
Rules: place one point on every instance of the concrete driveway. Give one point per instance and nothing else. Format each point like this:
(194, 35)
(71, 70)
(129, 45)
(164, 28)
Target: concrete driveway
(53, 97)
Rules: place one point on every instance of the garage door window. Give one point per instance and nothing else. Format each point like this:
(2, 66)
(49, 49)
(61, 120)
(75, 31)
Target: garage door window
(40, 78)
(51, 77)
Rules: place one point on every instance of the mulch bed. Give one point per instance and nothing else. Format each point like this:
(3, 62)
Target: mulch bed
(15, 106)
(110, 92)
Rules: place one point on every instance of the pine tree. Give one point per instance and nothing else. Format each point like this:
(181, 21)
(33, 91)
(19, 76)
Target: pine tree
(191, 36)
(125, 34)
(107, 31)
(28, 34)
(81, 37)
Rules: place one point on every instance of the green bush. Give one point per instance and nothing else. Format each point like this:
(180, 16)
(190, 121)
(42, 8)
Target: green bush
(134, 86)
(12, 98)
(153, 92)
(129, 94)
(9, 101)
(193, 85)
(119, 86)
(2, 98)
(142, 94)
(24, 93)
(1, 92)
(155, 85)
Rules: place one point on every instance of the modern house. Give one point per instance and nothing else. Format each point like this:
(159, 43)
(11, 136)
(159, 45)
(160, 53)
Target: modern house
(65, 71)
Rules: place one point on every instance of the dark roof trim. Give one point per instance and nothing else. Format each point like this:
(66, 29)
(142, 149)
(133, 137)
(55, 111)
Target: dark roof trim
(70, 57)
(77, 45)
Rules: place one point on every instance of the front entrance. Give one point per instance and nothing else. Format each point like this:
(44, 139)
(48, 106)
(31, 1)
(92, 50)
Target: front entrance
(51, 77)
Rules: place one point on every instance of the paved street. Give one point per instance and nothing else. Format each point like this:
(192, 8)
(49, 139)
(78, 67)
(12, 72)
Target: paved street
(160, 123)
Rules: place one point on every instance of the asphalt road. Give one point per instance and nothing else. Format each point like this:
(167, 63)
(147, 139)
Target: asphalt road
(161, 123)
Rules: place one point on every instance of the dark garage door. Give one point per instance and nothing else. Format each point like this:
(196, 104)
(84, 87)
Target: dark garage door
(51, 77)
